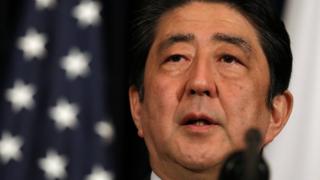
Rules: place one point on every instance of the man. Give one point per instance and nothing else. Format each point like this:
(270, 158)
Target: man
(207, 71)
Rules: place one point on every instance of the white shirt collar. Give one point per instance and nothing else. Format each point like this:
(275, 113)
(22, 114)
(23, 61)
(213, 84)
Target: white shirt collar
(154, 176)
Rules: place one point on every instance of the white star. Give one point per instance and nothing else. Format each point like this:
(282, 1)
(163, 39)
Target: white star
(105, 130)
(45, 4)
(75, 64)
(54, 165)
(87, 13)
(98, 173)
(21, 96)
(64, 114)
(33, 44)
(10, 147)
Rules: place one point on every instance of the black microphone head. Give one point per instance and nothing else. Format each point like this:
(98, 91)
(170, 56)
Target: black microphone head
(247, 164)
(234, 168)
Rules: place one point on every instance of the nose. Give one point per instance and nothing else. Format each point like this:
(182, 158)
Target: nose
(201, 80)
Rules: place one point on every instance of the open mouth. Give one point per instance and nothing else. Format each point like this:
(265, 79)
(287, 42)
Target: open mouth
(197, 122)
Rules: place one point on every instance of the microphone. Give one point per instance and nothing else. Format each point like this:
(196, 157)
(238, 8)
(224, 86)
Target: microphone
(247, 164)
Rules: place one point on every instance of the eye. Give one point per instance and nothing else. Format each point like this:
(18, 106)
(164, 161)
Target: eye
(229, 59)
(175, 58)
(175, 63)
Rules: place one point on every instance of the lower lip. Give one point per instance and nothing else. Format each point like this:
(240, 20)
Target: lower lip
(199, 129)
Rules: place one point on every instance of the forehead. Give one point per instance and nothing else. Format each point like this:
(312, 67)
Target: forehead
(205, 19)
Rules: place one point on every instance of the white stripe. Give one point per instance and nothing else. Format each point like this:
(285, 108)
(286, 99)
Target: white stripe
(154, 176)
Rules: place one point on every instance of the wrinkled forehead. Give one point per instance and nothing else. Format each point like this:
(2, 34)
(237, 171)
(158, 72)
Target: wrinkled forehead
(195, 20)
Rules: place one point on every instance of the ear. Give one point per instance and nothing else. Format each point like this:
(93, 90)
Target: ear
(135, 107)
(280, 112)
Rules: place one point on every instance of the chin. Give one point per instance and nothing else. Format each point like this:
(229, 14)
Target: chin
(197, 167)
(200, 164)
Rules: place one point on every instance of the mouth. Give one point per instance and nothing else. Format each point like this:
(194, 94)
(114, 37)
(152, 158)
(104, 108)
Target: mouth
(199, 120)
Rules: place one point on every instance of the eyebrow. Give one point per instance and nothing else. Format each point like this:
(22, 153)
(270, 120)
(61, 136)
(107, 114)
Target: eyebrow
(176, 38)
(235, 40)
(220, 37)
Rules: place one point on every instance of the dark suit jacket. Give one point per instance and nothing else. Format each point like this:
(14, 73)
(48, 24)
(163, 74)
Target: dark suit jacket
(148, 177)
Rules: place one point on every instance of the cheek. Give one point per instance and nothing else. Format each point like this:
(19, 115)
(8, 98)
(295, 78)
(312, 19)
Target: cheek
(244, 96)
(235, 97)
(160, 103)
(160, 94)
(245, 107)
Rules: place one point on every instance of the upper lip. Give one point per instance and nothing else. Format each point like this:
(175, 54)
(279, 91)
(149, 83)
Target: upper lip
(191, 117)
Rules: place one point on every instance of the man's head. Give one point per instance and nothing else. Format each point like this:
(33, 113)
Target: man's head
(207, 72)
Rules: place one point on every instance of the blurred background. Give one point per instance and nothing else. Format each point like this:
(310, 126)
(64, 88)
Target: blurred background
(64, 112)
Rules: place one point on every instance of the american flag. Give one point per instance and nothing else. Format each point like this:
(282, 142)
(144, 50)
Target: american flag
(54, 122)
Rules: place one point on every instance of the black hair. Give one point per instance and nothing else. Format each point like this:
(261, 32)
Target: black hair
(271, 31)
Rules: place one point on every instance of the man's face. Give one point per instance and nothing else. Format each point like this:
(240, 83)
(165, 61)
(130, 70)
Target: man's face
(205, 84)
